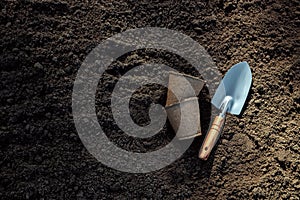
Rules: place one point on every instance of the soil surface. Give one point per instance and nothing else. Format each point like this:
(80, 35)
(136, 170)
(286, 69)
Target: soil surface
(43, 44)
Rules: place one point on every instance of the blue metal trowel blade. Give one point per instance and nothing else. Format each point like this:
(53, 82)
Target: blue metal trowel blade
(236, 84)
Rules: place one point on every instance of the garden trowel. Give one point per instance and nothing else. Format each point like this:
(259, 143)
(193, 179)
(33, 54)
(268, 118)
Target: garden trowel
(230, 97)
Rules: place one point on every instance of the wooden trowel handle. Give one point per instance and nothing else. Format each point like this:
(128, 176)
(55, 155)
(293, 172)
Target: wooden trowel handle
(211, 137)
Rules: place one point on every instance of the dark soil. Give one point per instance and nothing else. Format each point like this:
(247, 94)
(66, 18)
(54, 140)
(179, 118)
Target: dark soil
(43, 44)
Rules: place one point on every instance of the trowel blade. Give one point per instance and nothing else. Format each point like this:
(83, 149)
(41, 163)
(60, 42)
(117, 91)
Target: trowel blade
(236, 84)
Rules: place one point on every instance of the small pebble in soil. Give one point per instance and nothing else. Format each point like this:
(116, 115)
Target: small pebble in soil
(258, 102)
